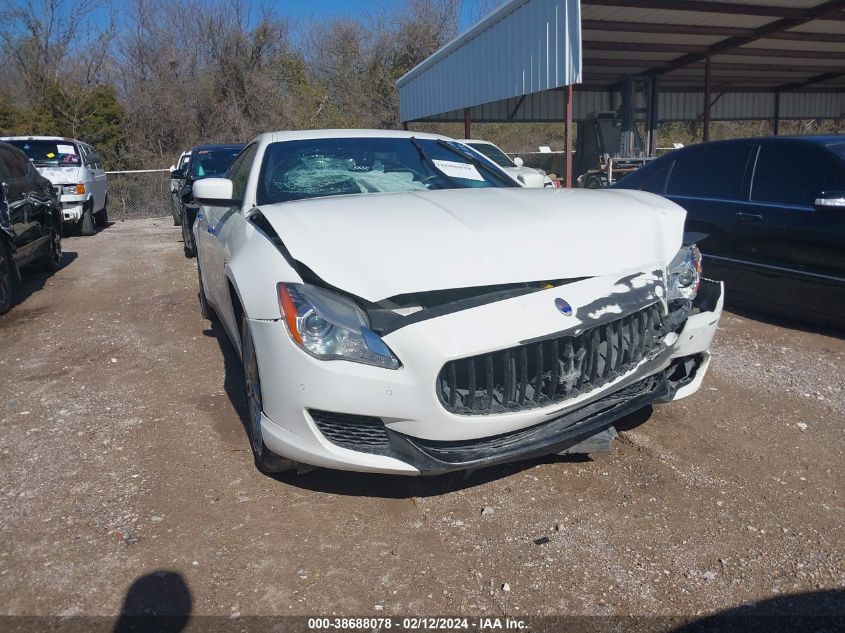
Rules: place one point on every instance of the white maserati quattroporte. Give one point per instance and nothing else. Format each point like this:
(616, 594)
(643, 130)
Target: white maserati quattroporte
(401, 306)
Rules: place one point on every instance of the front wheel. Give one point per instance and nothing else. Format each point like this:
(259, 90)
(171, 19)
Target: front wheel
(205, 308)
(174, 211)
(102, 216)
(53, 260)
(188, 237)
(6, 278)
(87, 226)
(265, 460)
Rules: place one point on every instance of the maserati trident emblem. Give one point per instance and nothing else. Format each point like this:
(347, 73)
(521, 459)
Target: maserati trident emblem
(563, 307)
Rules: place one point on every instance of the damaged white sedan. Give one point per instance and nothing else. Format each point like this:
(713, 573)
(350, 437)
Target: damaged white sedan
(402, 307)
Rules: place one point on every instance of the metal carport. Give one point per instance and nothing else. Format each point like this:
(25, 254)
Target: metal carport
(754, 59)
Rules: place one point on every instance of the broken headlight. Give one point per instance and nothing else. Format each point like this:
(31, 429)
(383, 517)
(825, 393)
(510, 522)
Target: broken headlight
(684, 274)
(330, 326)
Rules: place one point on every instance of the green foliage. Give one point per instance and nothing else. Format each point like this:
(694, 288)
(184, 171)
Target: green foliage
(93, 115)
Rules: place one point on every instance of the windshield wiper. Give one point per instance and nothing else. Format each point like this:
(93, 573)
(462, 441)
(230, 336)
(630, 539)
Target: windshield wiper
(473, 159)
(425, 158)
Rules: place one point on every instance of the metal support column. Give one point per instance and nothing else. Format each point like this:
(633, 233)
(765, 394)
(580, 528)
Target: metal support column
(467, 123)
(776, 129)
(707, 98)
(567, 140)
(653, 115)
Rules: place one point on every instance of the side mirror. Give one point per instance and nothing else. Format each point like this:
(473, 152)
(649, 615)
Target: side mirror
(830, 200)
(518, 161)
(215, 192)
(531, 180)
(176, 174)
(186, 194)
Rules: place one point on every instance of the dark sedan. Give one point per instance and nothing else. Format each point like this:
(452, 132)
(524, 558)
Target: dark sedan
(207, 161)
(773, 210)
(30, 221)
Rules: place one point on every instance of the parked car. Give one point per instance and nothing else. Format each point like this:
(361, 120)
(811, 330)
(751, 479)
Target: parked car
(402, 306)
(77, 174)
(773, 211)
(30, 221)
(515, 168)
(206, 161)
(176, 185)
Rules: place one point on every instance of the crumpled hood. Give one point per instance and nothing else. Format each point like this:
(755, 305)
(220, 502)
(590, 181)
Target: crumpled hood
(377, 246)
(61, 175)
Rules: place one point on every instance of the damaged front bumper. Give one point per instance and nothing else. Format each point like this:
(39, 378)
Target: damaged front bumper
(354, 417)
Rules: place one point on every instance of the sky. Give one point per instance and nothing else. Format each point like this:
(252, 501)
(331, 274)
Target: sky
(305, 10)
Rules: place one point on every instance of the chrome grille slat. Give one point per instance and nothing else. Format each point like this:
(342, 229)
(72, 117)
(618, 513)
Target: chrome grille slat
(549, 371)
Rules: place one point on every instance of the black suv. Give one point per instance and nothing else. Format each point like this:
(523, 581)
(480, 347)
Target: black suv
(30, 221)
(207, 161)
(773, 210)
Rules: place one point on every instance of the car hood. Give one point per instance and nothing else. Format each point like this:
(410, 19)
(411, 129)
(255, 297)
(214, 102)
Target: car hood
(61, 175)
(377, 246)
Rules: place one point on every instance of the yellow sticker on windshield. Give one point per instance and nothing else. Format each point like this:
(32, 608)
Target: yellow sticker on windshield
(51, 155)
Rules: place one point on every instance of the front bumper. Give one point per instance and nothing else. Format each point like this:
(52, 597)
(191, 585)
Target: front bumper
(416, 434)
(73, 207)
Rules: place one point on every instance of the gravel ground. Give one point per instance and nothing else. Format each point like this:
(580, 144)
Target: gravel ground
(123, 460)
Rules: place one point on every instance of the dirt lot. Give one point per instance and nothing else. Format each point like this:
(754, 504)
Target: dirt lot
(122, 454)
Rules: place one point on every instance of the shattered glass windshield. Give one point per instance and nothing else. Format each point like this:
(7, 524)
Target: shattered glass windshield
(315, 168)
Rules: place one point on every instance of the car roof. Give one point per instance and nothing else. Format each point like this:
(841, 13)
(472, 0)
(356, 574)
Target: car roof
(809, 139)
(221, 146)
(297, 135)
(40, 138)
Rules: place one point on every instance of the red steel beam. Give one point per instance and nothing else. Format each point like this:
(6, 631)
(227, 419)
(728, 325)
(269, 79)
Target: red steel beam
(697, 6)
(712, 31)
(635, 47)
(821, 11)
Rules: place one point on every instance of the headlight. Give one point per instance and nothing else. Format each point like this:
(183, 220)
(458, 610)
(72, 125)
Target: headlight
(684, 273)
(331, 327)
(73, 190)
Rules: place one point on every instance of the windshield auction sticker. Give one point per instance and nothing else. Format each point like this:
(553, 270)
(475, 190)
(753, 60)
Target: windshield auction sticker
(458, 170)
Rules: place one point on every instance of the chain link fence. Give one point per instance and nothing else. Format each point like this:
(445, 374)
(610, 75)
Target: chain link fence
(143, 193)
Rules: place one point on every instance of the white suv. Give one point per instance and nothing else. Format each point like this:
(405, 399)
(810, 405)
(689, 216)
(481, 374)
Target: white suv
(77, 174)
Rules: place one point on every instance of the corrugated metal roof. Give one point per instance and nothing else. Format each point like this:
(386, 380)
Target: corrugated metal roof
(794, 47)
(526, 46)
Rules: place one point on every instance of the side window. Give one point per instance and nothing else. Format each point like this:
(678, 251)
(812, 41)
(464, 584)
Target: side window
(16, 163)
(239, 171)
(791, 173)
(715, 171)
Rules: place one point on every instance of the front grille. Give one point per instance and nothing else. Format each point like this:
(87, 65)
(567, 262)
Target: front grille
(356, 432)
(546, 372)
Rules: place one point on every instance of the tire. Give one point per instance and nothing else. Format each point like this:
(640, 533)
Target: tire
(188, 238)
(174, 212)
(7, 279)
(265, 460)
(53, 260)
(593, 182)
(205, 309)
(101, 218)
(86, 226)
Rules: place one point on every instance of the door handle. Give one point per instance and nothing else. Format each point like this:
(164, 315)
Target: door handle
(749, 217)
(212, 230)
